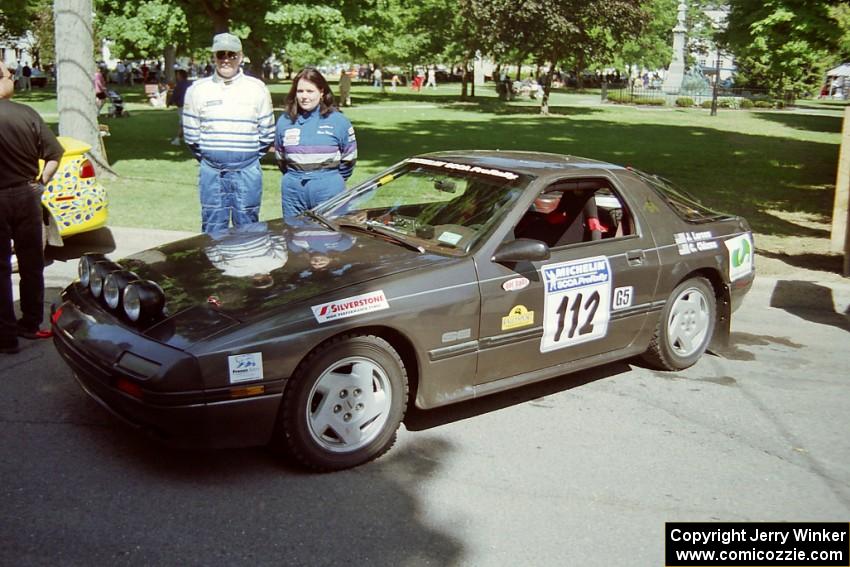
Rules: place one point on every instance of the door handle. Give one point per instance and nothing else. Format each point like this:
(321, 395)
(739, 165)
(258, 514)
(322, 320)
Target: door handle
(635, 257)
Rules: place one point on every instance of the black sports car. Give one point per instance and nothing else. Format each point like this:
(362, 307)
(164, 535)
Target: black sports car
(448, 276)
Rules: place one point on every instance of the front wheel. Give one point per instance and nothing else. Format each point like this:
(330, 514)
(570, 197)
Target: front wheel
(344, 403)
(686, 326)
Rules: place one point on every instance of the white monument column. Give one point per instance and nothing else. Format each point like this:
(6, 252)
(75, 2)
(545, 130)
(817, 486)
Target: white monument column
(676, 71)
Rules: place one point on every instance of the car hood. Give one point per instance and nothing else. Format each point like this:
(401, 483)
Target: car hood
(215, 281)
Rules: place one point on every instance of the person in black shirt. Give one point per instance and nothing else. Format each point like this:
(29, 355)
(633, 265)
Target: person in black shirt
(24, 139)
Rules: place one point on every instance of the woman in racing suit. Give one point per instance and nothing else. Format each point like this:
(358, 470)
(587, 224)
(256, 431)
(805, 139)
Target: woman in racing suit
(315, 145)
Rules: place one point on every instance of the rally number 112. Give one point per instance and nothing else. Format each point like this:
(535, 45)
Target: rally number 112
(590, 306)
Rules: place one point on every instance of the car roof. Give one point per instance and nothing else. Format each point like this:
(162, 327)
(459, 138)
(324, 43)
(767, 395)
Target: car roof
(539, 164)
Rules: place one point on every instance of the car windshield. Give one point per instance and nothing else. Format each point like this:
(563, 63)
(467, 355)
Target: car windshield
(429, 204)
(683, 203)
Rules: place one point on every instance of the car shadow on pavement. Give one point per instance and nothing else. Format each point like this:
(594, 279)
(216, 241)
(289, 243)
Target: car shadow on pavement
(168, 506)
(810, 301)
(418, 420)
(101, 241)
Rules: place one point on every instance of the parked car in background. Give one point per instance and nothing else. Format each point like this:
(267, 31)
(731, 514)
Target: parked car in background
(74, 199)
(446, 277)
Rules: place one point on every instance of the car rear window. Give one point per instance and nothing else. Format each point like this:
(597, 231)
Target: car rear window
(687, 206)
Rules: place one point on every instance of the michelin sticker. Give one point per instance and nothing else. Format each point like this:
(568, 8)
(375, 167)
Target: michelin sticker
(740, 256)
(350, 306)
(690, 242)
(576, 304)
(245, 367)
(519, 316)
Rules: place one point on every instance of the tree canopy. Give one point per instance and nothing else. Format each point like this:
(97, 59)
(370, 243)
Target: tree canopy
(783, 45)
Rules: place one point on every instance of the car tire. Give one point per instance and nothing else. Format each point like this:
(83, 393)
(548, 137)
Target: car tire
(344, 403)
(685, 328)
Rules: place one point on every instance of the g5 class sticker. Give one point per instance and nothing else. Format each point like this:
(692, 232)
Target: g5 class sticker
(245, 367)
(623, 297)
(576, 303)
(519, 316)
(740, 256)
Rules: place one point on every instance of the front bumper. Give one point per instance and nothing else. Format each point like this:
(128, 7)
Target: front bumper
(170, 401)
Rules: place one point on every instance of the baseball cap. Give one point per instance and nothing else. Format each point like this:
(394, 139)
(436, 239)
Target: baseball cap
(226, 42)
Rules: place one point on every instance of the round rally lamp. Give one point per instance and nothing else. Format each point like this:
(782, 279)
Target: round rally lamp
(114, 286)
(98, 273)
(143, 300)
(85, 264)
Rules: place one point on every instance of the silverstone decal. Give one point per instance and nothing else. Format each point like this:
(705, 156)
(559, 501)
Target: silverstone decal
(575, 309)
(740, 256)
(515, 284)
(245, 367)
(690, 242)
(350, 306)
(623, 297)
(465, 167)
(519, 316)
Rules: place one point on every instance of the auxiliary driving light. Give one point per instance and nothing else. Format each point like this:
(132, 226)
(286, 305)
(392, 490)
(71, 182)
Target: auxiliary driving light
(85, 264)
(98, 273)
(114, 286)
(143, 300)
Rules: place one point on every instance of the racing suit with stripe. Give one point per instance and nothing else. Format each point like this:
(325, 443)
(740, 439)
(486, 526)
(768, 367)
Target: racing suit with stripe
(316, 154)
(229, 125)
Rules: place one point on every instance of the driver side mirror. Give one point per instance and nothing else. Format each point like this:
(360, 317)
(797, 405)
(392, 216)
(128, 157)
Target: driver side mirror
(521, 250)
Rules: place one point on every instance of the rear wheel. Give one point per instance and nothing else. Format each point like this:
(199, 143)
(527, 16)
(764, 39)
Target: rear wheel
(344, 404)
(686, 326)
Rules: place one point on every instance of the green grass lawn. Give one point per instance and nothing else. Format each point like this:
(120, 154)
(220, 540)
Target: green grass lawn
(766, 165)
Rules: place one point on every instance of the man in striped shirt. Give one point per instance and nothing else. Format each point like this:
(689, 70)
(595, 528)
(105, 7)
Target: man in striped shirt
(228, 123)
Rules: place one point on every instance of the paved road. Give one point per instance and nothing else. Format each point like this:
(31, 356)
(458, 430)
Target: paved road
(583, 469)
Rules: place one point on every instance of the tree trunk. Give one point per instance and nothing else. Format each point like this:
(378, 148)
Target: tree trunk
(170, 59)
(75, 76)
(547, 88)
(463, 78)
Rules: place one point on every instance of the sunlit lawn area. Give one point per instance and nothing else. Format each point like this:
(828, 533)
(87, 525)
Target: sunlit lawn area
(764, 165)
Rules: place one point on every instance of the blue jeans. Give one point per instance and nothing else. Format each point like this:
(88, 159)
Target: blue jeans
(300, 192)
(229, 195)
(20, 220)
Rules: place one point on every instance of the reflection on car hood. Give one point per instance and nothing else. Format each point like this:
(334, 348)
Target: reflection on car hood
(248, 271)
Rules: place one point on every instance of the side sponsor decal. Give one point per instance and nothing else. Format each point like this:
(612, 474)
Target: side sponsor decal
(452, 336)
(576, 305)
(246, 367)
(740, 256)
(350, 306)
(465, 167)
(519, 316)
(515, 284)
(623, 297)
(690, 242)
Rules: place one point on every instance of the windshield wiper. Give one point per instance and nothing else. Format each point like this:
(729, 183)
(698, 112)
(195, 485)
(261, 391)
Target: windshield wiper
(385, 232)
(320, 219)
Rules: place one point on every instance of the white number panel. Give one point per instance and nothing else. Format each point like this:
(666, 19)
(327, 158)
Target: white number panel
(576, 306)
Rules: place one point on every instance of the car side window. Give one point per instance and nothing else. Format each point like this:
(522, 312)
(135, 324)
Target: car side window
(575, 211)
